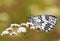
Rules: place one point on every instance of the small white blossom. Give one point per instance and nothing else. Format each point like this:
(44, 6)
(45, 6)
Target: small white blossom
(15, 25)
(13, 33)
(23, 24)
(21, 29)
(38, 27)
(4, 32)
(32, 27)
(29, 23)
(9, 29)
(46, 30)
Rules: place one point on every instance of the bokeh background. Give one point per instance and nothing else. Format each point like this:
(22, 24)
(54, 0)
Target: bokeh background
(18, 11)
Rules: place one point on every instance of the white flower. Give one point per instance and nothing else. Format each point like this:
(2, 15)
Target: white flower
(23, 24)
(33, 27)
(4, 32)
(29, 23)
(13, 33)
(15, 25)
(9, 29)
(21, 29)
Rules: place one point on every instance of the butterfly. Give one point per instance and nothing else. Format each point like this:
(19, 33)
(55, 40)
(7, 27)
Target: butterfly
(45, 23)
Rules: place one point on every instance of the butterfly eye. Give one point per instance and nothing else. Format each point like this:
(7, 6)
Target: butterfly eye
(46, 23)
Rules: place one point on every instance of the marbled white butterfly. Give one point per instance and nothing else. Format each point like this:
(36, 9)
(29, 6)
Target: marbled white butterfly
(44, 22)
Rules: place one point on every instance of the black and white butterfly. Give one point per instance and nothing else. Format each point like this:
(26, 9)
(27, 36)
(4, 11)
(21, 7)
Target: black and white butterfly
(44, 22)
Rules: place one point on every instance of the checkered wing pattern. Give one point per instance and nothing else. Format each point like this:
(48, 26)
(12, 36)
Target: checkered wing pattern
(44, 22)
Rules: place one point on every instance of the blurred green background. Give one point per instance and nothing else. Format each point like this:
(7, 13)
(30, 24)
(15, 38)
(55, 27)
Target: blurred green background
(18, 11)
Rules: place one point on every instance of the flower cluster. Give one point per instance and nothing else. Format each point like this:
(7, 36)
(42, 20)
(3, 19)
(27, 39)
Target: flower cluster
(21, 28)
(11, 31)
